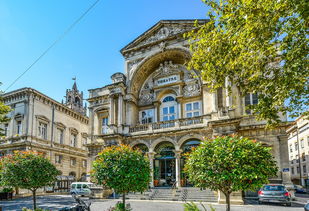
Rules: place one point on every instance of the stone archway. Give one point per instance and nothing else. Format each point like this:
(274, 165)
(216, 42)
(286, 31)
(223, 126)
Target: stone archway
(164, 164)
(157, 141)
(177, 55)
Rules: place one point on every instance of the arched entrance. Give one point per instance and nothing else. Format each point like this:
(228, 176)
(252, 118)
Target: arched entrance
(186, 148)
(164, 165)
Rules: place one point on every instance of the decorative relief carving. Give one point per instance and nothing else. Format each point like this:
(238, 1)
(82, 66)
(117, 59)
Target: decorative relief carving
(167, 68)
(192, 89)
(162, 34)
(146, 97)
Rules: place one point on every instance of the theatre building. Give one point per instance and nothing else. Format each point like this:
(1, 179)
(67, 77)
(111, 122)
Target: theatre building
(161, 107)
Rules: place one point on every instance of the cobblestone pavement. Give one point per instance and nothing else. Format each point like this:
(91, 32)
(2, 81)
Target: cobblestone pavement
(56, 202)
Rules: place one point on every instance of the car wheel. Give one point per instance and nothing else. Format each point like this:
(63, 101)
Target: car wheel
(260, 202)
(289, 204)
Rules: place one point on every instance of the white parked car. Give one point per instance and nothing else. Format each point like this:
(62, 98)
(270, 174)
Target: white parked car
(81, 188)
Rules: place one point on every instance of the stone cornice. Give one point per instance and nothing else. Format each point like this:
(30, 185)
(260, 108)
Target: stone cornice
(137, 43)
(47, 100)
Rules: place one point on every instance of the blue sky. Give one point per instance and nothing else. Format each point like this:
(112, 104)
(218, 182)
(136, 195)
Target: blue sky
(90, 51)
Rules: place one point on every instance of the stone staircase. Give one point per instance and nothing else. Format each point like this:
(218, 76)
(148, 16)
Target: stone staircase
(180, 194)
(195, 194)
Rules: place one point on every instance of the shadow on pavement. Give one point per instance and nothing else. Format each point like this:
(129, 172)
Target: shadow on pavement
(45, 202)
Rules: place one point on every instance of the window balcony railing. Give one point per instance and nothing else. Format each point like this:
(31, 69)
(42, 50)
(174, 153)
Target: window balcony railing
(177, 123)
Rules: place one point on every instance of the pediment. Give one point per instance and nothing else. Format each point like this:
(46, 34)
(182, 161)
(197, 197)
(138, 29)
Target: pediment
(163, 30)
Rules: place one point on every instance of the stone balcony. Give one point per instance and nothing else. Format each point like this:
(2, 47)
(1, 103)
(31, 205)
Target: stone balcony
(166, 126)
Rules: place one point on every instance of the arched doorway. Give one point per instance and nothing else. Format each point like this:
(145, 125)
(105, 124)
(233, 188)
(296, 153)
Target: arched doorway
(141, 147)
(164, 165)
(186, 148)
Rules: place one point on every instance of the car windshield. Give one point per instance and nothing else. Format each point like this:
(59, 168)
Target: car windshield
(273, 188)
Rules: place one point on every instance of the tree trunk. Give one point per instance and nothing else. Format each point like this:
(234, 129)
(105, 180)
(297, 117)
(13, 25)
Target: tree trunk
(34, 199)
(124, 201)
(227, 201)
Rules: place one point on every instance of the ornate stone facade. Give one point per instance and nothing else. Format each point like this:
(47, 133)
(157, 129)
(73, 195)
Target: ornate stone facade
(165, 109)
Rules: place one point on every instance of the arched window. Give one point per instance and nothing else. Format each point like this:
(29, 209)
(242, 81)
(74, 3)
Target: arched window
(168, 108)
(168, 99)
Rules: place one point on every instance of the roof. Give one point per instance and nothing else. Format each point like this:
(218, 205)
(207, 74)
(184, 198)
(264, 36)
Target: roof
(160, 24)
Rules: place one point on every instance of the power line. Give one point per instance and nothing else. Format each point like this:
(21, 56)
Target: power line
(55, 42)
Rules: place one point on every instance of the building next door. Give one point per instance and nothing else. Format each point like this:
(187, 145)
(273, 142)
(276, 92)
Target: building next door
(164, 165)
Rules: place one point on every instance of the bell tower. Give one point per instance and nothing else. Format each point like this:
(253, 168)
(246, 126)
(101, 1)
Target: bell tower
(74, 99)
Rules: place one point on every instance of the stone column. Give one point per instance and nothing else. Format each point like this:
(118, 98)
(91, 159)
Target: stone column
(120, 110)
(178, 170)
(111, 111)
(214, 101)
(227, 94)
(151, 160)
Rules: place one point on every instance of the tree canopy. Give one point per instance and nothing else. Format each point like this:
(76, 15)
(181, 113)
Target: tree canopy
(260, 47)
(230, 163)
(27, 169)
(122, 169)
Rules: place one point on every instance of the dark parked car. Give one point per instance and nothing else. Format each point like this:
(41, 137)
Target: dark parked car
(299, 189)
(274, 193)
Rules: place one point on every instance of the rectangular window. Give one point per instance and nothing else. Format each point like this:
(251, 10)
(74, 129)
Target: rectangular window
(296, 146)
(60, 136)
(188, 107)
(147, 116)
(73, 161)
(297, 159)
(6, 129)
(220, 97)
(302, 143)
(303, 157)
(104, 125)
(73, 140)
(250, 99)
(43, 130)
(291, 148)
(58, 159)
(192, 109)
(304, 169)
(292, 170)
(19, 128)
(297, 169)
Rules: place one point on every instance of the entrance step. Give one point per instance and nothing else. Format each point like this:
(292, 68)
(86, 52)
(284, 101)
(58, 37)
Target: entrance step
(196, 194)
(180, 194)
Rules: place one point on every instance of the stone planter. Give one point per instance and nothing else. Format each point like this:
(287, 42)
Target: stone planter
(100, 193)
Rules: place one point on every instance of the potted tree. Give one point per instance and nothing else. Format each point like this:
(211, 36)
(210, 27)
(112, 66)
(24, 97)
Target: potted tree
(156, 176)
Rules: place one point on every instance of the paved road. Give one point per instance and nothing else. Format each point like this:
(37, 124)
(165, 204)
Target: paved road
(59, 201)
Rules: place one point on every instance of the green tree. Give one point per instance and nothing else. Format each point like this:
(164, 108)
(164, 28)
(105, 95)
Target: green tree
(4, 110)
(27, 169)
(230, 163)
(260, 47)
(122, 169)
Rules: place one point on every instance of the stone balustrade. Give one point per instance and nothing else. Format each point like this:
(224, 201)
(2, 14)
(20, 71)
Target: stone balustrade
(166, 125)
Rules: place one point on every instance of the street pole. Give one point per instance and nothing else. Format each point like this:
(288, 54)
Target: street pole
(299, 160)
